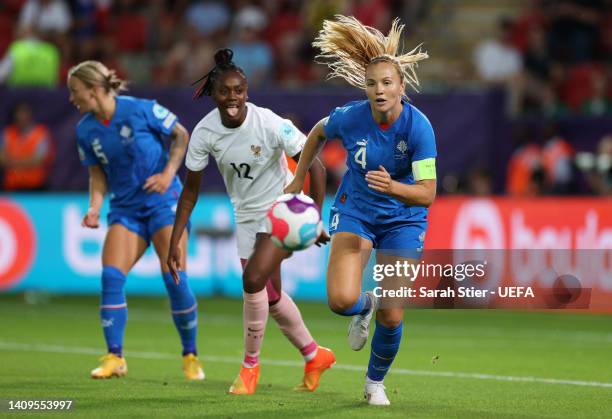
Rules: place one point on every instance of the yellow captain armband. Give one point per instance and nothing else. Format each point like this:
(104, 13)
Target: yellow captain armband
(424, 169)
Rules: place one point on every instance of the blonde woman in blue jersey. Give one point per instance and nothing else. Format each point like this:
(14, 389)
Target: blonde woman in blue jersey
(120, 141)
(391, 180)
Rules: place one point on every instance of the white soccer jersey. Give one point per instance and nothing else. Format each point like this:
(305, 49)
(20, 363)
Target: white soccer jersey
(251, 158)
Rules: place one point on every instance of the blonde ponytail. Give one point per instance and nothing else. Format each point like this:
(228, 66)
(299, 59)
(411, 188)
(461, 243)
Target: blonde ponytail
(348, 47)
(94, 73)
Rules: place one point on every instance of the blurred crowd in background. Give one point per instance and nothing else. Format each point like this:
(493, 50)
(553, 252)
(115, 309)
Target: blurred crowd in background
(172, 42)
(552, 57)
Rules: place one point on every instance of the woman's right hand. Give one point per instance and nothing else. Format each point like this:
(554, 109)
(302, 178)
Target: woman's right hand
(91, 219)
(295, 186)
(174, 262)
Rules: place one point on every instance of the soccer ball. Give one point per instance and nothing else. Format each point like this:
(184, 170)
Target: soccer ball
(294, 222)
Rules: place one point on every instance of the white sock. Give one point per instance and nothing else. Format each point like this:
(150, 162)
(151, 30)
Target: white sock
(370, 381)
(311, 355)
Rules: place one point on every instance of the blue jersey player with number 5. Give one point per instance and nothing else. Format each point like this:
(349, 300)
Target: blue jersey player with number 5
(120, 141)
(391, 180)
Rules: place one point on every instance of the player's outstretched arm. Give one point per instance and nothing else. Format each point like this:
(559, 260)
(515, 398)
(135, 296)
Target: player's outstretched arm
(160, 182)
(186, 204)
(314, 143)
(97, 190)
(318, 178)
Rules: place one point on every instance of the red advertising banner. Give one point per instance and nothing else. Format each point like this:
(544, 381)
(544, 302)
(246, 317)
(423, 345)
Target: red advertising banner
(17, 243)
(562, 245)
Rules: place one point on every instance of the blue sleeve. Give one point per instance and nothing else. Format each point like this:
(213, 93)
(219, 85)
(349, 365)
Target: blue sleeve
(422, 137)
(331, 128)
(86, 153)
(158, 117)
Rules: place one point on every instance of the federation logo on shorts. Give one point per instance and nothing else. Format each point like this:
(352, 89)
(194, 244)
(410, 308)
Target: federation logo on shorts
(422, 240)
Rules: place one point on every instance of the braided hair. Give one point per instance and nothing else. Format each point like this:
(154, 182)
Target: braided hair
(223, 63)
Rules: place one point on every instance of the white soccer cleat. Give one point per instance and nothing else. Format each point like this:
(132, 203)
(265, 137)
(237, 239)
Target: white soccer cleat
(359, 328)
(375, 394)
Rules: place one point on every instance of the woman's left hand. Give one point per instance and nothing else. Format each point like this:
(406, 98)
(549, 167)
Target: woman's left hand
(159, 182)
(174, 263)
(379, 180)
(323, 239)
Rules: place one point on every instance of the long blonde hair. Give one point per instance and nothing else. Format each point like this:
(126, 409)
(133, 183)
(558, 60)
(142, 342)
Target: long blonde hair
(348, 47)
(94, 73)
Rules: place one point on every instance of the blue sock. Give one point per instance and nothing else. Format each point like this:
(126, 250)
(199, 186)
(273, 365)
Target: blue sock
(362, 306)
(385, 344)
(184, 311)
(113, 308)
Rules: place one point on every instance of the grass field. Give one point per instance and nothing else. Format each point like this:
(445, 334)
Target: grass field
(490, 364)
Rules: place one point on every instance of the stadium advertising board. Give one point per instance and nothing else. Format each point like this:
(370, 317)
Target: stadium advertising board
(44, 248)
(557, 245)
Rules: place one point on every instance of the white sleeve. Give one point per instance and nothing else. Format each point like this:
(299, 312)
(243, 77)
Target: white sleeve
(197, 151)
(287, 136)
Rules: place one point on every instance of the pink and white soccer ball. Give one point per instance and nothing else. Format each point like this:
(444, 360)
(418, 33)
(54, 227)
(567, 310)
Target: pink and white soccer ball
(294, 222)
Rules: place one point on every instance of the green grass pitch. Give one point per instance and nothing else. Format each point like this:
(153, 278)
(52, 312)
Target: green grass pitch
(489, 364)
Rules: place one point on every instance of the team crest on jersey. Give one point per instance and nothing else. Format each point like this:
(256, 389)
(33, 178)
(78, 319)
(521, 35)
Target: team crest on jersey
(125, 131)
(401, 149)
(256, 152)
(126, 134)
(402, 146)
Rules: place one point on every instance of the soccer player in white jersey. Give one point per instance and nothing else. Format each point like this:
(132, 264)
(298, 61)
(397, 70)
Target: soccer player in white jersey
(249, 145)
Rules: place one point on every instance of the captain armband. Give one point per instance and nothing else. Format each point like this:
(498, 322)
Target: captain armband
(424, 169)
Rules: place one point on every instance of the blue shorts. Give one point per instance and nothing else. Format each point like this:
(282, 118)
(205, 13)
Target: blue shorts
(403, 238)
(146, 222)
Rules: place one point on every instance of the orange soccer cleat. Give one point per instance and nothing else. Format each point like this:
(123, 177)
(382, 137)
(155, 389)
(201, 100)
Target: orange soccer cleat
(246, 382)
(314, 369)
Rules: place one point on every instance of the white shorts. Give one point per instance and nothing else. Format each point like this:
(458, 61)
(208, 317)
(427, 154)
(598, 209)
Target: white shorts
(245, 235)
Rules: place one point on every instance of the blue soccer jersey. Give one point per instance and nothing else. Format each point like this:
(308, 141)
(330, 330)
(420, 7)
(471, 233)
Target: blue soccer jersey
(409, 139)
(129, 149)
